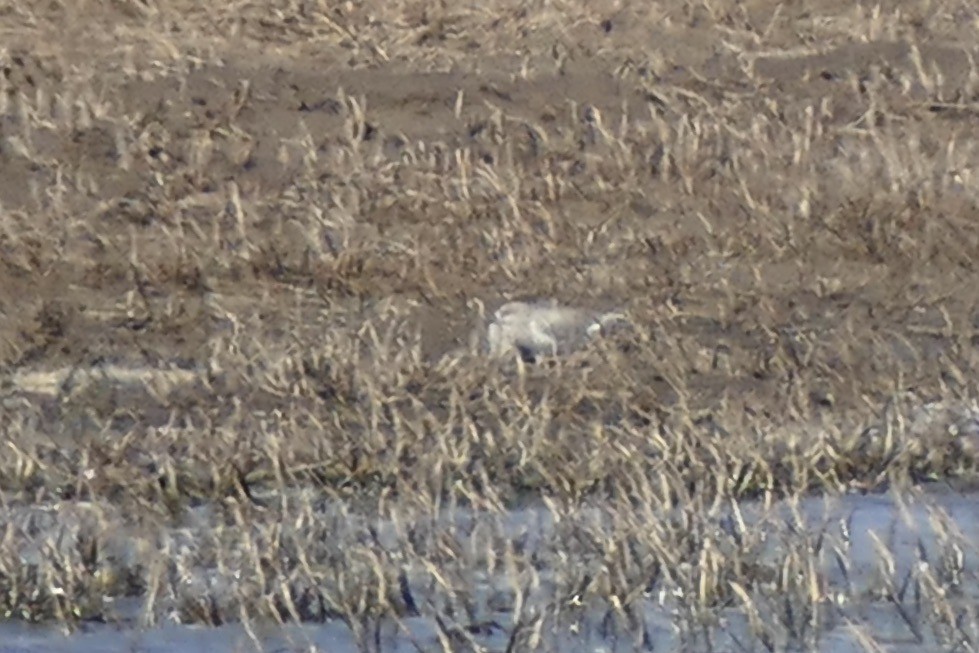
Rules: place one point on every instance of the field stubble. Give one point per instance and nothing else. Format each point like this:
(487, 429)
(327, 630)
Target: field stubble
(244, 248)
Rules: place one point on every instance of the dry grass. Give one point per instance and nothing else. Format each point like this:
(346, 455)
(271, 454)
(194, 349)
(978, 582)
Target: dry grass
(242, 251)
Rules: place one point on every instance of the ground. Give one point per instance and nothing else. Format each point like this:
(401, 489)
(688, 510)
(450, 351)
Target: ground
(297, 214)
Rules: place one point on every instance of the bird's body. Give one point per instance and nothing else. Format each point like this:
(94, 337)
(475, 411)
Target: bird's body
(537, 329)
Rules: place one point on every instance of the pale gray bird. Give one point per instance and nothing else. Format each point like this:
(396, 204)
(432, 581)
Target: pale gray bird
(544, 328)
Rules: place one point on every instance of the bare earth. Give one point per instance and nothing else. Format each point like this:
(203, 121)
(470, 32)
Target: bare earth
(742, 181)
(276, 226)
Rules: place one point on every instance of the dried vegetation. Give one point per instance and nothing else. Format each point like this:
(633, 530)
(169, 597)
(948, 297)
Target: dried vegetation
(243, 245)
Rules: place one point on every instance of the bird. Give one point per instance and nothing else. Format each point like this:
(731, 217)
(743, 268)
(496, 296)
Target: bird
(537, 329)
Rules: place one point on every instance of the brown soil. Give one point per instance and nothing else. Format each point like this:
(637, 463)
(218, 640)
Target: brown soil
(789, 192)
